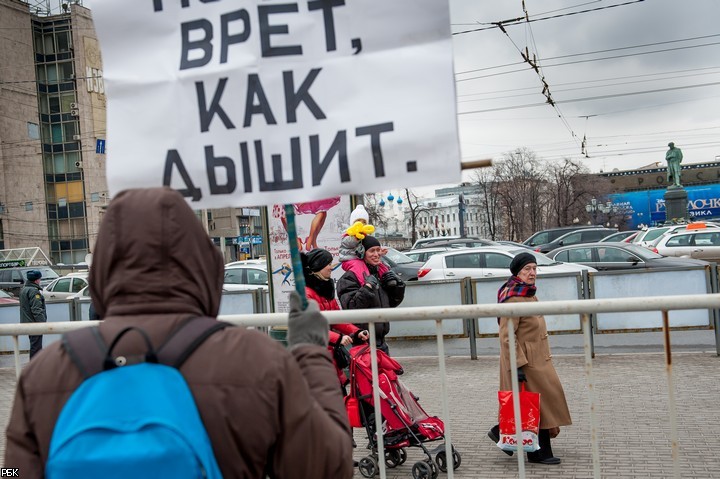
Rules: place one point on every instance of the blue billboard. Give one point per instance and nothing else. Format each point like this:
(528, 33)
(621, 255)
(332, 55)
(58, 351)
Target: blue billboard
(648, 207)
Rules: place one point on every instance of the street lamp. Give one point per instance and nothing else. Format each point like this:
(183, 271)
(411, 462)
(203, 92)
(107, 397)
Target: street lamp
(596, 207)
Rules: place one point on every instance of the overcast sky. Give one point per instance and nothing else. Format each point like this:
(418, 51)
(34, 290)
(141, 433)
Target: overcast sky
(624, 132)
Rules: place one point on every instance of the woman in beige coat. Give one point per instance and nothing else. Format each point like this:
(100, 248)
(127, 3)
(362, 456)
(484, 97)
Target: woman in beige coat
(534, 360)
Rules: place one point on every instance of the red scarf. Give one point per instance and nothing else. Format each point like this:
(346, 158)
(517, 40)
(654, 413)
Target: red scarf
(515, 287)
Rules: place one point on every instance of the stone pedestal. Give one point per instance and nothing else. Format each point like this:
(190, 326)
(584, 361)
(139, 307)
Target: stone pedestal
(676, 200)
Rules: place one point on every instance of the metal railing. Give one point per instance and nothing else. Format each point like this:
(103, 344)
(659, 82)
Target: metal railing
(489, 312)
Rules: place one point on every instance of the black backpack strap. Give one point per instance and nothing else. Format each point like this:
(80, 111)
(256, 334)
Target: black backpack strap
(186, 339)
(86, 349)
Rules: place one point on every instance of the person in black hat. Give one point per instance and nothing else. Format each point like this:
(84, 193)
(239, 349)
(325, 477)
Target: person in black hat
(534, 361)
(368, 283)
(320, 287)
(32, 307)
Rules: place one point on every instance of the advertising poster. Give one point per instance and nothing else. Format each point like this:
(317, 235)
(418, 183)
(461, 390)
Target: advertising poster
(320, 224)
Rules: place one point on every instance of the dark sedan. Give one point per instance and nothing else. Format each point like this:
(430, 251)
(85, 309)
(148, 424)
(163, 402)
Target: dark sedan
(618, 256)
(404, 266)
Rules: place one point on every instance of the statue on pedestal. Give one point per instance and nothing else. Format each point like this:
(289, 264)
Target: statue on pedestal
(674, 157)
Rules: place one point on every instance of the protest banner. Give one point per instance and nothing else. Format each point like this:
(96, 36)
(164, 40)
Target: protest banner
(249, 102)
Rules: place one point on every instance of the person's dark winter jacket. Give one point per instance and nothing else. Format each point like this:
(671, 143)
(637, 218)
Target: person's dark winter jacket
(387, 291)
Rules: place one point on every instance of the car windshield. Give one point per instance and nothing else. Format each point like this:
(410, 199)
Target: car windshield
(3, 294)
(542, 260)
(653, 234)
(397, 257)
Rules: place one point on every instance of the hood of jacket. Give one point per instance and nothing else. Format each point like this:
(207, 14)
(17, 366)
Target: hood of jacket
(152, 255)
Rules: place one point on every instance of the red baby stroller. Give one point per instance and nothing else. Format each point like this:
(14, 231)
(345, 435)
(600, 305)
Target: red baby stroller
(405, 423)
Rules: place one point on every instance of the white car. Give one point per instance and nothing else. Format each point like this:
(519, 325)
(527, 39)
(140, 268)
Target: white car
(699, 244)
(424, 254)
(66, 286)
(245, 276)
(83, 293)
(487, 262)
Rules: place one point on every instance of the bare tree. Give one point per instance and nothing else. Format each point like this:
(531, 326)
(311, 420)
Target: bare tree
(566, 191)
(521, 191)
(489, 202)
(415, 208)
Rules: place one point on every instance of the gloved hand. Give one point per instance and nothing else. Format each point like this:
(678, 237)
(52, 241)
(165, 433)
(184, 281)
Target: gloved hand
(390, 279)
(372, 282)
(521, 376)
(306, 327)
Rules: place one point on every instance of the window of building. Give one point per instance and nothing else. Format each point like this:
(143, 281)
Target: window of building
(28, 206)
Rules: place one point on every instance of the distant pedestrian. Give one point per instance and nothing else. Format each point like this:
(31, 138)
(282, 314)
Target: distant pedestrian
(32, 307)
(534, 360)
(368, 283)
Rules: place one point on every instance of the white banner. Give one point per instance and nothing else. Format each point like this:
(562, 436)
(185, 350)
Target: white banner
(249, 102)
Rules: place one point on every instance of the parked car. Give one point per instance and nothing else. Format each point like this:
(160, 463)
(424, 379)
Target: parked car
(618, 256)
(548, 235)
(647, 235)
(83, 293)
(13, 279)
(462, 243)
(699, 226)
(586, 235)
(7, 298)
(620, 236)
(486, 262)
(699, 244)
(425, 242)
(261, 262)
(423, 254)
(65, 286)
(453, 241)
(404, 266)
(245, 276)
(513, 244)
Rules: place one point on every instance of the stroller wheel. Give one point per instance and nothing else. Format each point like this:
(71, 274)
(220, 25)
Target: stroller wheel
(368, 466)
(393, 458)
(433, 467)
(403, 456)
(422, 470)
(441, 460)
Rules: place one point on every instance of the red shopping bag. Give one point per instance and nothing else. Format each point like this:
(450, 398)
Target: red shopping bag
(530, 417)
(352, 407)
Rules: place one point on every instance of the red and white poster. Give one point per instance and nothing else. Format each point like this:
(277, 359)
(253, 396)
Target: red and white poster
(319, 224)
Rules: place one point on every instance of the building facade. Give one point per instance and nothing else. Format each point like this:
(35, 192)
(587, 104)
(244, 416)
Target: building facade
(52, 109)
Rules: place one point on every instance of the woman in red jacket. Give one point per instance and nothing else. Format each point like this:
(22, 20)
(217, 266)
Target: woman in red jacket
(319, 286)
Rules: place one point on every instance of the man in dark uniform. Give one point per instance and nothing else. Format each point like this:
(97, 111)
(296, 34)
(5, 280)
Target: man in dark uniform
(32, 307)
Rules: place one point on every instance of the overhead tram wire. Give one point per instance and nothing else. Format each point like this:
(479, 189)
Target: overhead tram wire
(535, 65)
(521, 20)
(587, 87)
(609, 79)
(592, 60)
(600, 97)
(642, 45)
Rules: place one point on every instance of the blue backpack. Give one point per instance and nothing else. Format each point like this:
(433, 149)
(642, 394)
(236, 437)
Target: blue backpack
(132, 421)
